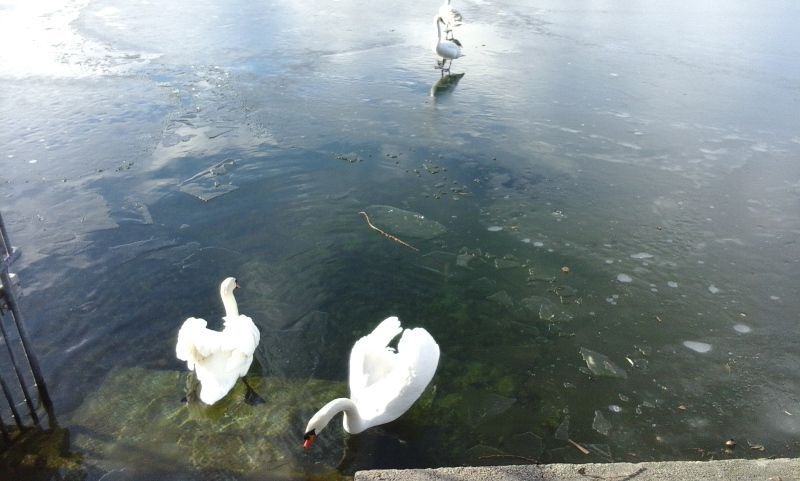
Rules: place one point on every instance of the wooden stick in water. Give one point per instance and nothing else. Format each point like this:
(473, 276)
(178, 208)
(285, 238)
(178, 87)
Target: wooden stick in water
(578, 446)
(390, 236)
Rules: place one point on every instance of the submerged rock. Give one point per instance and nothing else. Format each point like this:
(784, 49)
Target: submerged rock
(136, 418)
(502, 298)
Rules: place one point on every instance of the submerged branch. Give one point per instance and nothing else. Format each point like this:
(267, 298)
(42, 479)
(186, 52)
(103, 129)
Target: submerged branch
(390, 236)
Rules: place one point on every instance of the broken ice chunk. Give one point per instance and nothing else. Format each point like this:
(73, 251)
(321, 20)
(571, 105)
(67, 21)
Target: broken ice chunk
(601, 365)
(696, 346)
(403, 223)
(562, 432)
(546, 309)
(600, 423)
(204, 186)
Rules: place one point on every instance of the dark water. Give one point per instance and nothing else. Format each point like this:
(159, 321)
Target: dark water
(651, 150)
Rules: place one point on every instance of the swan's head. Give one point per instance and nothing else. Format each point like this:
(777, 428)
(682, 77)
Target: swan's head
(317, 422)
(322, 417)
(308, 438)
(228, 285)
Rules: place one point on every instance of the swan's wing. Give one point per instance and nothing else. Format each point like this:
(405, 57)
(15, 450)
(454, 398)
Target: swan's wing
(420, 354)
(241, 339)
(195, 342)
(371, 358)
(448, 49)
(451, 16)
(413, 367)
(240, 333)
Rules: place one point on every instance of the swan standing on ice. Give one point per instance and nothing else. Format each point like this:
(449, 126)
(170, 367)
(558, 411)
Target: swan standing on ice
(220, 358)
(383, 383)
(447, 49)
(451, 17)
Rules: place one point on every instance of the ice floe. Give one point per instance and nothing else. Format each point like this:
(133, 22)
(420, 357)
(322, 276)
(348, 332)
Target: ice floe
(696, 346)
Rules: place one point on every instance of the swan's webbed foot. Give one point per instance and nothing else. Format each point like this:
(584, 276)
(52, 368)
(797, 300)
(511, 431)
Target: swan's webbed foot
(445, 68)
(251, 397)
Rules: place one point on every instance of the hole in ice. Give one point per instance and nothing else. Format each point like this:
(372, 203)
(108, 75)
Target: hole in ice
(624, 278)
(701, 347)
(742, 328)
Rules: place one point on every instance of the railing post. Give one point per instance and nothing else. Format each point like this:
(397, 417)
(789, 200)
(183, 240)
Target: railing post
(9, 255)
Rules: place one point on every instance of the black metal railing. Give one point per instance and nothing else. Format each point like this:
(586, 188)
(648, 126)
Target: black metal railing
(25, 403)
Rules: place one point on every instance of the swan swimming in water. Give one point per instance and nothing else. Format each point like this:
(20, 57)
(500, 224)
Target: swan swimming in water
(451, 17)
(384, 383)
(447, 49)
(220, 358)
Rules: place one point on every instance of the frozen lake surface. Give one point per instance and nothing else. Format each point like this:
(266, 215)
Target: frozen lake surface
(600, 208)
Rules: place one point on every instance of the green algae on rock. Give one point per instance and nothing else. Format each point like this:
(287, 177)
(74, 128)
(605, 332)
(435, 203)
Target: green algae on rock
(137, 418)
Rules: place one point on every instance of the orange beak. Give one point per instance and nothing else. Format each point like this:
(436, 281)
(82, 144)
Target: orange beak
(307, 440)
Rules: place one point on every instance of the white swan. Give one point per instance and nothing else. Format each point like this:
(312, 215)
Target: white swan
(219, 358)
(383, 383)
(451, 17)
(447, 49)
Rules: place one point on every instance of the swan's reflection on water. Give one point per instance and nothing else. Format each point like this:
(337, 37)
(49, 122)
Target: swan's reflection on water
(446, 84)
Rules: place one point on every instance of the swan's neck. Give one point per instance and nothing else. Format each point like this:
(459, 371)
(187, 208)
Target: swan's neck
(231, 308)
(353, 423)
(438, 29)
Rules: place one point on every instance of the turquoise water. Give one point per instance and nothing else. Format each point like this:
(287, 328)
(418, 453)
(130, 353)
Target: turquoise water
(655, 161)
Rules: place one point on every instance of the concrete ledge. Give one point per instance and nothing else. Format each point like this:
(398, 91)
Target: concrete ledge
(732, 470)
